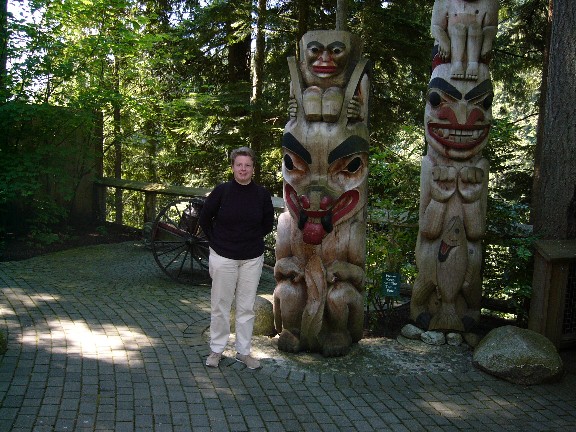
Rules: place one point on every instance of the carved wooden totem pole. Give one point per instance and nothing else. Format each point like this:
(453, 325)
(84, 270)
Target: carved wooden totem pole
(454, 175)
(320, 245)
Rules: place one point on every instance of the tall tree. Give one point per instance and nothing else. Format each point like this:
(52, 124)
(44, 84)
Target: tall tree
(554, 204)
(3, 50)
(256, 132)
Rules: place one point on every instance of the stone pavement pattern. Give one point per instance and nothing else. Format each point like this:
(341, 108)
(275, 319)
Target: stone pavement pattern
(101, 340)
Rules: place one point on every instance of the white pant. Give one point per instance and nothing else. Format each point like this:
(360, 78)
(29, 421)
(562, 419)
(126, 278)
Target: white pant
(233, 277)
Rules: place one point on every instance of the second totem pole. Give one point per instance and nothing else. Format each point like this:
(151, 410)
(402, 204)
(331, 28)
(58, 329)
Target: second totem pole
(454, 174)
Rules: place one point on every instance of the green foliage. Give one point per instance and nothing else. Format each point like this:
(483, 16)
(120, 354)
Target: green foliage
(393, 220)
(160, 75)
(507, 265)
(39, 168)
(519, 52)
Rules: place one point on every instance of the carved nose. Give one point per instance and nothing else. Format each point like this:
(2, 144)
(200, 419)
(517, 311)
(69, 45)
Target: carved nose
(316, 200)
(461, 111)
(326, 202)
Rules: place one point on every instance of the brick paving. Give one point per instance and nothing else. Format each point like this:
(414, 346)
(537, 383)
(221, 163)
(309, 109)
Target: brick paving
(101, 340)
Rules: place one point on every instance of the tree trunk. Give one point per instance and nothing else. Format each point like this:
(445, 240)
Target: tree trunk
(3, 50)
(99, 204)
(257, 84)
(542, 110)
(341, 15)
(117, 145)
(238, 55)
(303, 12)
(554, 206)
(239, 66)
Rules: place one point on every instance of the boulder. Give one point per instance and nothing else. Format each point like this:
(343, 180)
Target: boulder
(263, 320)
(410, 331)
(518, 355)
(433, 337)
(472, 339)
(454, 339)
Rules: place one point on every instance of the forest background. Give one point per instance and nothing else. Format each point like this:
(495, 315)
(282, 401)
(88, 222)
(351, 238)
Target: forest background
(164, 89)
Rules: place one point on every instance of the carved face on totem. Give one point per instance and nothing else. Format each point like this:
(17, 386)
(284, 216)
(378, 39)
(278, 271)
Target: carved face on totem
(323, 189)
(458, 113)
(327, 57)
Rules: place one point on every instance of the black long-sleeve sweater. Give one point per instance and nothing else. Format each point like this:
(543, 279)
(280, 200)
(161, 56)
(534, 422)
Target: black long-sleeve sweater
(236, 217)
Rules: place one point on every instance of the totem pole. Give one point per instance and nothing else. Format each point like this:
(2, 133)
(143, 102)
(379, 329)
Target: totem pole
(320, 244)
(454, 175)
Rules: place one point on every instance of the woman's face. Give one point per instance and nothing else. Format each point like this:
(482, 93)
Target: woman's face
(243, 169)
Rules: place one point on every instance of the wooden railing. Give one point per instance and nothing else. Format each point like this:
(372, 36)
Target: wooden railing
(151, 190)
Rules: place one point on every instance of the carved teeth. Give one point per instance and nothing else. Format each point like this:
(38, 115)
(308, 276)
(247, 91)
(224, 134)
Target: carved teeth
(458, 135)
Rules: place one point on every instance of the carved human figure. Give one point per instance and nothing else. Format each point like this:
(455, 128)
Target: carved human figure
(327, 59)
(320, 244)
(453, 197)
(464, 31)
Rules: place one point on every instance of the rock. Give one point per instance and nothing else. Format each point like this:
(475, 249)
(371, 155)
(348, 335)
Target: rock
(454, 339)
(518, 355)
(471, 339)
(410, 331)
(263, 321)
(433, 338)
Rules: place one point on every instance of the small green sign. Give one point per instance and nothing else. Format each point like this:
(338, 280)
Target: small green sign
(391, 284)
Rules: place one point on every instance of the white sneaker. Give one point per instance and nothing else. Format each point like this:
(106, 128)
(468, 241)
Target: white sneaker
(213, 359)
(248, 360)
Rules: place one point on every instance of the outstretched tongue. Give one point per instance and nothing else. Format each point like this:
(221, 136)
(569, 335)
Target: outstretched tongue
(313, 233)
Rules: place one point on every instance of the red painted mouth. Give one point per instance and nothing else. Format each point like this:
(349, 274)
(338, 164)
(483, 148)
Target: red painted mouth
(316, 224)
(444, 251)
(324, 69)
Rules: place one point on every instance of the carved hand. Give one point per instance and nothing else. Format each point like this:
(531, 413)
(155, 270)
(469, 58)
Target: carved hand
(292, 107)
(289, 268)
(355, 109)
(489, 33)
(444, 49)
(443, 184)
(344, 271)
(470, 183)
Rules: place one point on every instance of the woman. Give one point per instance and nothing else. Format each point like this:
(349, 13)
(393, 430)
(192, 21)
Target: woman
(236, 216)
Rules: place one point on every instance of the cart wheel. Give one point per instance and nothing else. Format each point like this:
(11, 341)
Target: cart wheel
(180, 247)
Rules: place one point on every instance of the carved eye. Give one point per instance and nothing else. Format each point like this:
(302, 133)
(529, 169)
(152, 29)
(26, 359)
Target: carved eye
(337, 50)
(354, 165)
(487, 102)
(288, 163)
(435, 99)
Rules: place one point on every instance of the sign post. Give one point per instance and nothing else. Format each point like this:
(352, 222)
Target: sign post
(390, 284)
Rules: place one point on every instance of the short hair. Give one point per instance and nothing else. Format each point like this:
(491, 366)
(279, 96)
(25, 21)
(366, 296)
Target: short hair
(242, 151)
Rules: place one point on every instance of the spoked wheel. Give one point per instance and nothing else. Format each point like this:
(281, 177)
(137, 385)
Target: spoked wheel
(180, 247)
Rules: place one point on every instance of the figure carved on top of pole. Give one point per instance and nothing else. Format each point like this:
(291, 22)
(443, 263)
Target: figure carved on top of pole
(454, 174)
(464, 31)
(320, 245)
